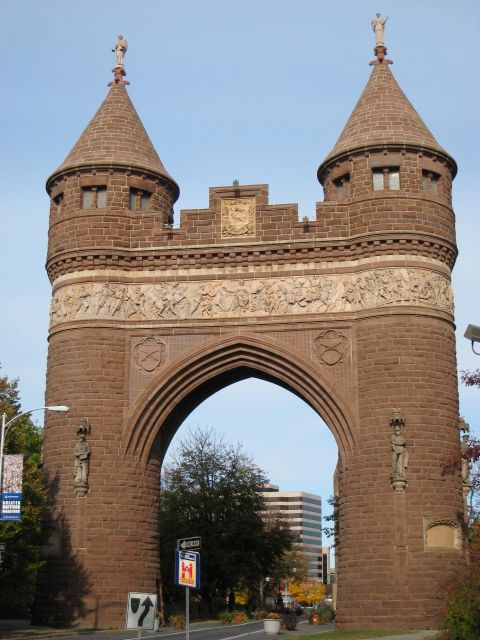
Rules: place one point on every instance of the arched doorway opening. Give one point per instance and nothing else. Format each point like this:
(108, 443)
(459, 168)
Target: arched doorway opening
(297, 454)
(189, 382)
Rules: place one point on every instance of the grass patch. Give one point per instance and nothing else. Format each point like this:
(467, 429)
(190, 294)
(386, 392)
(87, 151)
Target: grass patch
(352, 635)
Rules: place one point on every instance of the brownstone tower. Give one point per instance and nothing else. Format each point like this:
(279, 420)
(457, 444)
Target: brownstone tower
(352, 312)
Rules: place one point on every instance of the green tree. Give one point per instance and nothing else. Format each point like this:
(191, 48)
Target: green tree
(213, 490)
(21, 560)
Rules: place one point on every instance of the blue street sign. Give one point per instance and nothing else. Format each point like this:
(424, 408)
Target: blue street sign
(187, 569)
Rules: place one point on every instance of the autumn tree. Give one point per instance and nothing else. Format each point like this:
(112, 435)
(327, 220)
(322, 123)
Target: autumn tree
(213, 490)
(308, 591)
(462, 613)
(470, 378)
(21, 560)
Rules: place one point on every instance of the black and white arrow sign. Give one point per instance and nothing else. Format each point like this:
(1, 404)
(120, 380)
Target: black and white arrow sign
(190, 544)
(141, 611)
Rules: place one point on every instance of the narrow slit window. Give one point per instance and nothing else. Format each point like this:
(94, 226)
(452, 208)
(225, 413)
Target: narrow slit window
(144, 202)
(393, 179)
(378, 181)
(132, 200)
(430, 182)
(58, 201)
(342, 186)
(101, 197)
(87, 198)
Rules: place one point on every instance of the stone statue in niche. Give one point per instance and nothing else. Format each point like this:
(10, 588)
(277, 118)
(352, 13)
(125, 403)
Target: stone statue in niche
(465, 467)
(398, 446)
(82, 459)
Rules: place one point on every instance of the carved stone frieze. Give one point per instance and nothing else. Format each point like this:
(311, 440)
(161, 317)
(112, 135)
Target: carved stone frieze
(238, 217)
(330, 347)
(276, 296)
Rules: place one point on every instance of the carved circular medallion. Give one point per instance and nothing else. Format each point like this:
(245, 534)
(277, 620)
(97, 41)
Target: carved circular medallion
(150, 354)
(330, 347)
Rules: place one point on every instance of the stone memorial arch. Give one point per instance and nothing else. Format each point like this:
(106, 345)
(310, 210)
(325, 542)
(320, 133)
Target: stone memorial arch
(352, 311)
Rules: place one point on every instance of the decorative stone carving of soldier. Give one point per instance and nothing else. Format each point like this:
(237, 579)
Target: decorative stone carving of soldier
(82, 456)
(398, 446)
(399, 453)
(465, 462)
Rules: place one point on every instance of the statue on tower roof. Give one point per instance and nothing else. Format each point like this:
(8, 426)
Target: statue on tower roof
(120, 49)
(378, 25)
(380, 50)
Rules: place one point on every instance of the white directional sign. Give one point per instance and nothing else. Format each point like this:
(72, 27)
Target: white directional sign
(141, 611)
(189, 544)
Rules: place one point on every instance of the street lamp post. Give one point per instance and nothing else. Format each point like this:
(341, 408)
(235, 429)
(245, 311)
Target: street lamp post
(6, 426)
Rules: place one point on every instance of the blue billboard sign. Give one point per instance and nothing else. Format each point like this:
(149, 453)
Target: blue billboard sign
(11, 507)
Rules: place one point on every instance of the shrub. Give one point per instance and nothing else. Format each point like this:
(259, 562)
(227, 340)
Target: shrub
(239, 617)
(177, 622)
(261, 615)
(226, 616)
(323, 613)
(462, 620)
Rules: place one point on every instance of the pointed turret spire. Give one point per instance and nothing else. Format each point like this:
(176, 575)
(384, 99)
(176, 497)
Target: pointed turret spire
(383, 115)
(115, 136)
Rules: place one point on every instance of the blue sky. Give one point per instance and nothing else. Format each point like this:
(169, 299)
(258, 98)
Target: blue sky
(257, 91)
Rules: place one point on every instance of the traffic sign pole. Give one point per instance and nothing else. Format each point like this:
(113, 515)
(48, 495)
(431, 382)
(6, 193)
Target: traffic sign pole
(187, 612)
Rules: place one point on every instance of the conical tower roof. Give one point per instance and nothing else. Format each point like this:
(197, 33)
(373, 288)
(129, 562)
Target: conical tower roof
(383, 116)
(115, 136)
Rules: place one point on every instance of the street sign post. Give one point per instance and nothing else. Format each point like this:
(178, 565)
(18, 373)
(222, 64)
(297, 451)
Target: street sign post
(189, 544)
(3, 548)
(187, 569)
(187, 574)
(141, 611)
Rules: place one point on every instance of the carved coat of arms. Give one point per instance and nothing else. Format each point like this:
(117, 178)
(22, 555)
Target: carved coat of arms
(149, 354)
(238, 217)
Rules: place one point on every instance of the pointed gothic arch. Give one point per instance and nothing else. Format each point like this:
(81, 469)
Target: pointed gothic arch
(201, 373)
